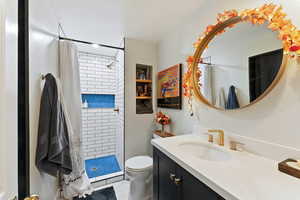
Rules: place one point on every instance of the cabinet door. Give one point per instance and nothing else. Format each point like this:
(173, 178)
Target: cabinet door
(193, 189)
(164, 172)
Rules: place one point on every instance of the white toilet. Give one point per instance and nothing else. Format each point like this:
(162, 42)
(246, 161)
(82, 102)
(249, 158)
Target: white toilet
(139, 171)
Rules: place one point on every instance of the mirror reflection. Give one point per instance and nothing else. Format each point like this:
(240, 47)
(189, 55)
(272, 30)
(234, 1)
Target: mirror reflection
(240, 65)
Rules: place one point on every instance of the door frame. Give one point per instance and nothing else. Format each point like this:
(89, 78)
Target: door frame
(23, 100)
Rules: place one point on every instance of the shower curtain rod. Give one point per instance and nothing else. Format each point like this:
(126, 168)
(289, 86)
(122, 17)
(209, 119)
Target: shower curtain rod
(91, 43)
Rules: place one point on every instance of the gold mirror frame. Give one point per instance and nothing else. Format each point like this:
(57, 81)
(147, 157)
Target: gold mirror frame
(270, 13)
(201, 48)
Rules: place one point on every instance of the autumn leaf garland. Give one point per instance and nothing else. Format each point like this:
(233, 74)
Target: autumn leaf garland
(271, 13)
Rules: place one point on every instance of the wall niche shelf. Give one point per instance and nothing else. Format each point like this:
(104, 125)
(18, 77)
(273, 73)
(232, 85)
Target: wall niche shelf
(144, 89)
(143, 81)
(95, 101)
(143, 97)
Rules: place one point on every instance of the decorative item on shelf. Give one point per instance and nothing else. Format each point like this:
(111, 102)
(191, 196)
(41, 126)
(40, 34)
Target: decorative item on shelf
(139, 91)
(141, 76)
(169, 88)
(143, 91)
(144, 104)
(162, 119)
(269, 14)
(146, 90)
(143, 73)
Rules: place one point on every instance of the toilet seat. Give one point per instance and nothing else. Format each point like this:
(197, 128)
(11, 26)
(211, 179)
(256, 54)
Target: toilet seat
(139, 164)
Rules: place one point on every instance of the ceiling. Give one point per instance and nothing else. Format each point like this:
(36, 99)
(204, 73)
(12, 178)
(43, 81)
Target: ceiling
(108, 21)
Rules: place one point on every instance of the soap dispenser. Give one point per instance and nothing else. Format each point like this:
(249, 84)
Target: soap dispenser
(85, 104)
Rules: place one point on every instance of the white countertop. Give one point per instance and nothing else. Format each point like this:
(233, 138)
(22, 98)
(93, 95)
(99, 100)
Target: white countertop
(245, 176)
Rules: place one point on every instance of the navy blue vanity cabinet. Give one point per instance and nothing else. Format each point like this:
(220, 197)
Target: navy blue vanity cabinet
(172, 182)
(164, 175)
(191, 188)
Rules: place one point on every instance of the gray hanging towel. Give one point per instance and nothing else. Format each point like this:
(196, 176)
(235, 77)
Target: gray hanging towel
(232, 101)
(53, 152)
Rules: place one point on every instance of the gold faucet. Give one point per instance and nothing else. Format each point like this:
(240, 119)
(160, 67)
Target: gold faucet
(210, 137)
(233, 145)
(221, 135)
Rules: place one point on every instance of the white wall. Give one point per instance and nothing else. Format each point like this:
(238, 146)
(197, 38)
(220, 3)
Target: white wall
(2, 106)
(43, 59)
(138, 128)
(274, 119)
(8, 102)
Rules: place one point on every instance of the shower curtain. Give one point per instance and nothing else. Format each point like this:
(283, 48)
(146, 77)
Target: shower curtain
(77, 183)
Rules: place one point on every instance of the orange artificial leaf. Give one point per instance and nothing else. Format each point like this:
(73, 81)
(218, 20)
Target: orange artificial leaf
(190, 59)
(294, 48)
(261, 21)
(209, 28)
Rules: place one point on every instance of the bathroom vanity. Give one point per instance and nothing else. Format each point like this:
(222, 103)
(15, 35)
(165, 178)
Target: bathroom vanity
(172, 182)
(189, 168)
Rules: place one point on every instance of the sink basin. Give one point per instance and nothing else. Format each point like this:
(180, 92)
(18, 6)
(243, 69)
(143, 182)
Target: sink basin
(204, 151)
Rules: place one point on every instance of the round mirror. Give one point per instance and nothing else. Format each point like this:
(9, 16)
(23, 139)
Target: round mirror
(240, 66)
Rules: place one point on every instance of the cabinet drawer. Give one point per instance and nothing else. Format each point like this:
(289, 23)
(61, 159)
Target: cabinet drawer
(172, 182)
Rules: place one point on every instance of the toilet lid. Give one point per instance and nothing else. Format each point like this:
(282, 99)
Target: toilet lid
(139, 163)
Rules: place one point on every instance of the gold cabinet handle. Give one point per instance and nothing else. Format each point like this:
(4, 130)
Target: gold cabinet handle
(172, 177)
(177, 181)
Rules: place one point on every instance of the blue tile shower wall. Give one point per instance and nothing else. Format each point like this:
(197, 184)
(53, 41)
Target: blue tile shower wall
(99, 100)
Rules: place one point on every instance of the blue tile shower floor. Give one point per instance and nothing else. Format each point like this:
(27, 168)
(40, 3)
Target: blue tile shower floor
(102, 166)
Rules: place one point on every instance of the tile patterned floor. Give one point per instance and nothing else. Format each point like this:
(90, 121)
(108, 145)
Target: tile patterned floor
(121, 188)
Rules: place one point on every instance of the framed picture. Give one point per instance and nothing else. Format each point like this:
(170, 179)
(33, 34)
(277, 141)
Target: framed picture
(169, 87)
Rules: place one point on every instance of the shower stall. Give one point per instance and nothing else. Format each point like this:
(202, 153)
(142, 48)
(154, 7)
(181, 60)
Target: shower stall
(102, 89)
